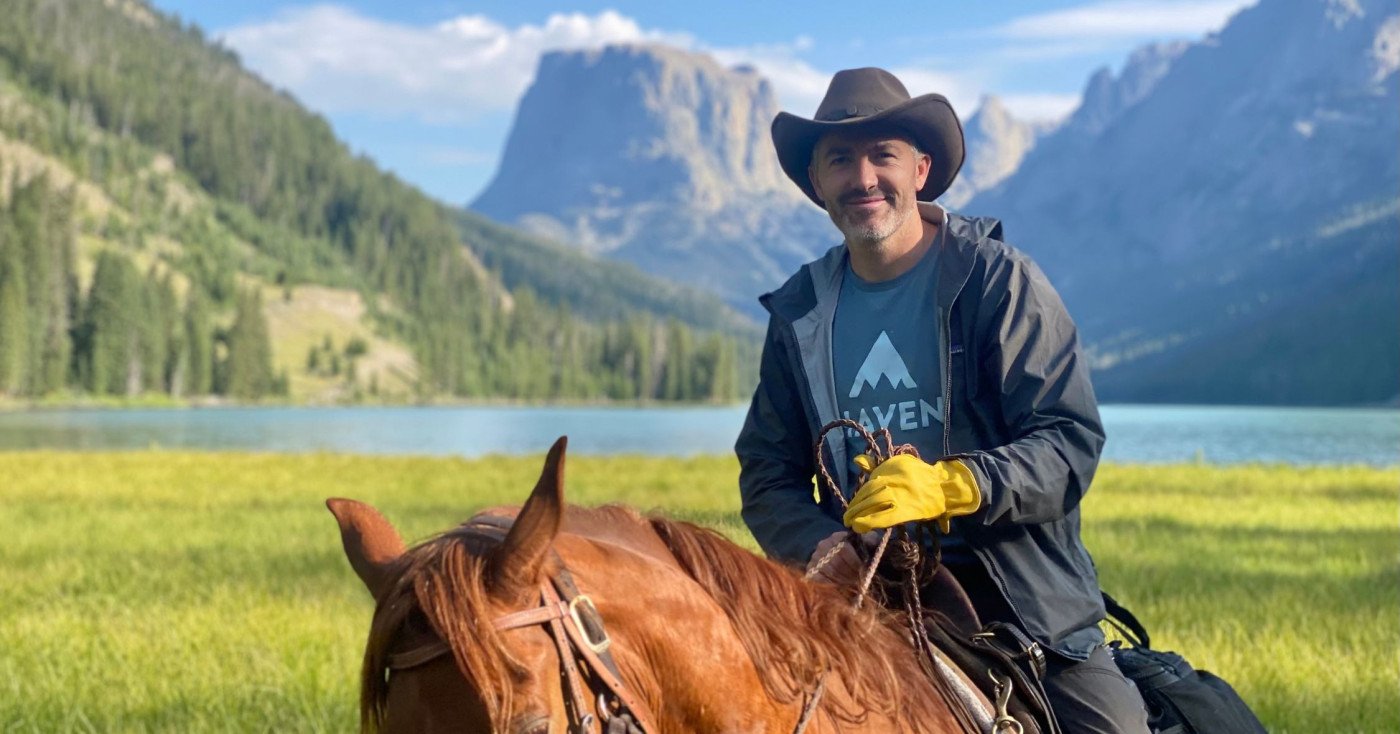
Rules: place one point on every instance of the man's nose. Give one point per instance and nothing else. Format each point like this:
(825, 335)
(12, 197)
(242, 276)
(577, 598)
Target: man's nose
(865, 171)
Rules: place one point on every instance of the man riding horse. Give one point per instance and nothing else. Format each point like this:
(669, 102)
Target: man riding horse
(925, 323)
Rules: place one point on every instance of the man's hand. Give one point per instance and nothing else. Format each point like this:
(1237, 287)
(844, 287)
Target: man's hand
(844, 568)
(905, 489)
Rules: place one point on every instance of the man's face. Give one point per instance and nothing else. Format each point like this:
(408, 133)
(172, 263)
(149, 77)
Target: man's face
(869, 181)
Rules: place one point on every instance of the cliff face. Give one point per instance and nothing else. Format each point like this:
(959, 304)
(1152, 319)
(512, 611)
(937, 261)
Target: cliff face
(996, 144)
(1106, 97)
(1221, 218)
(661, 158)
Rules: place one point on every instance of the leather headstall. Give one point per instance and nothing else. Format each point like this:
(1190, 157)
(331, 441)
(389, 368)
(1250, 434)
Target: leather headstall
(577, 630)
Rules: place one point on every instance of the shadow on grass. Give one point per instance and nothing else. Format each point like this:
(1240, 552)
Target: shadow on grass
(1184, 533)
(1239, 568)
(1361, 494)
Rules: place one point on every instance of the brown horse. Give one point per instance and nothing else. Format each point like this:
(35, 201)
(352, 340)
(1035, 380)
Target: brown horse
(709, 637)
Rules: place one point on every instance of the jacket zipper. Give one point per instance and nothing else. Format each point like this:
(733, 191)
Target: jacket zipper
(946, 342)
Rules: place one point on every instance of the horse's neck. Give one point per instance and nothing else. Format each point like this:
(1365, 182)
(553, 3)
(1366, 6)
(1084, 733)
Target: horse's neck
(677, 649)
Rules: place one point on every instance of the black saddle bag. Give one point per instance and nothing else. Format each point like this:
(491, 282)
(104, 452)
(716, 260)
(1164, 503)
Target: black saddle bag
(1179, 698)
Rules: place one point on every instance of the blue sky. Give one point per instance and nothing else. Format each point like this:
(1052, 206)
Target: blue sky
(428, 89)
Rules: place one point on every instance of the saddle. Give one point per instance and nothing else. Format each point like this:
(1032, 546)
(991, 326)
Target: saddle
(1003, 663)
(1006, 664)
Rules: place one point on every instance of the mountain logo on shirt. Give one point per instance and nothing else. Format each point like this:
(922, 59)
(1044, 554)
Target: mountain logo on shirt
(882, 362)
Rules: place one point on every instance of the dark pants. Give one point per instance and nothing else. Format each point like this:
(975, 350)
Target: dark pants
(1089, 696)
(1093, 696)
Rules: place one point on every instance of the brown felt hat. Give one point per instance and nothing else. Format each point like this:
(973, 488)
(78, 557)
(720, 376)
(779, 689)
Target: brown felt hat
(873, 97)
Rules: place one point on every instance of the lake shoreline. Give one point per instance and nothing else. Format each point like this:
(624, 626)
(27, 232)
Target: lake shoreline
(182, 453)
(1135, 433)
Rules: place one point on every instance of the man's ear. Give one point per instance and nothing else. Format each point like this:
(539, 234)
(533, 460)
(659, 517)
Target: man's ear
(812, 178)
(922, 166)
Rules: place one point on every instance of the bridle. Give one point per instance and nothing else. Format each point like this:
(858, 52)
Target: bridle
(576, 628)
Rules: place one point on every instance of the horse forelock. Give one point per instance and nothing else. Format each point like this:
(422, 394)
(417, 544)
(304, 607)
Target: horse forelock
(446, 580)
(796, 631)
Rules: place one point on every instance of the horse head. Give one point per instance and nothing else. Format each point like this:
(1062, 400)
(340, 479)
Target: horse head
(482, 629)
(450, 589)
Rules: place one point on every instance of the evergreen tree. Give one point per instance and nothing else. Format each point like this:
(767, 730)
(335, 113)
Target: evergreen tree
(249, 362)
(723, 387)
(57, 304)
(679, 355)
(157, 329)
(14, 322)
(282, 201)
(111, 360)
(198, 343)
(639, 343)
(29, 211)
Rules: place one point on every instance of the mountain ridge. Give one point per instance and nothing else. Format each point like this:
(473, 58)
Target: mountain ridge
(1215, 197)
(657, 144)
(996, 143)
(216, 188)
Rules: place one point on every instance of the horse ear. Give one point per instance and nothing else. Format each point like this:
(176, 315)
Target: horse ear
(371, 543)
(519, 560)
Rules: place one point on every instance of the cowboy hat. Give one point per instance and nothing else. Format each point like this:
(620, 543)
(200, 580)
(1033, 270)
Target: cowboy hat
(873, 97)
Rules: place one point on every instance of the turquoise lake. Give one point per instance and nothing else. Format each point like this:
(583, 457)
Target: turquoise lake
(1135, 433)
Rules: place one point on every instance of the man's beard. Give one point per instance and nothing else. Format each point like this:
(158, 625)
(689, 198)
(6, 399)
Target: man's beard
(869, 233)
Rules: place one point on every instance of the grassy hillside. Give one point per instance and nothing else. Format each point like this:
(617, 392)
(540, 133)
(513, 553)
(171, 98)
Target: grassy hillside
(127, 136)
(185, 592)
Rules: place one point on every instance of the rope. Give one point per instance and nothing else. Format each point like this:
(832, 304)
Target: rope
(872, 448)
(907, 558)
(880, 455)
(810, 707)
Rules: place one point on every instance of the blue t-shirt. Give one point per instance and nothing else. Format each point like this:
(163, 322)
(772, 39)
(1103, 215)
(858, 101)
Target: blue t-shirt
(885, 362)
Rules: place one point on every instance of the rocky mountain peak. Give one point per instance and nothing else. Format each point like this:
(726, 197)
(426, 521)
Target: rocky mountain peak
(662, 158)
(1204, 207)
(1106, 96)
(626, 123)
(996, 143)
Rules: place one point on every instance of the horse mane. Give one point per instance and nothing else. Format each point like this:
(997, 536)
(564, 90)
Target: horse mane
(796, 631)
(437, 580)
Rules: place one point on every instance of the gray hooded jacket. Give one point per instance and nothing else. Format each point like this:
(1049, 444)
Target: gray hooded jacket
(1019, 411)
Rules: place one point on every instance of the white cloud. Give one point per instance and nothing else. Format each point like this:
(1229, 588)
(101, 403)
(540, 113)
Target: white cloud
(798, 85)
(1124, 19)
(960, 92)
(337, 60)
(801, 86)
(1040, 107)
(1021, 53)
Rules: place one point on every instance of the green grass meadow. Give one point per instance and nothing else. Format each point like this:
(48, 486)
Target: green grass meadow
(187, 592)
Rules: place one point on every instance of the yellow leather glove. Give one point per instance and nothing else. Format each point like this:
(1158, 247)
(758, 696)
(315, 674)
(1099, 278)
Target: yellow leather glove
(907, 489)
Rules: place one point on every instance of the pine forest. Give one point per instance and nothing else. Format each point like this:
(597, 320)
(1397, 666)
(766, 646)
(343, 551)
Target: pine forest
(171, 225)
